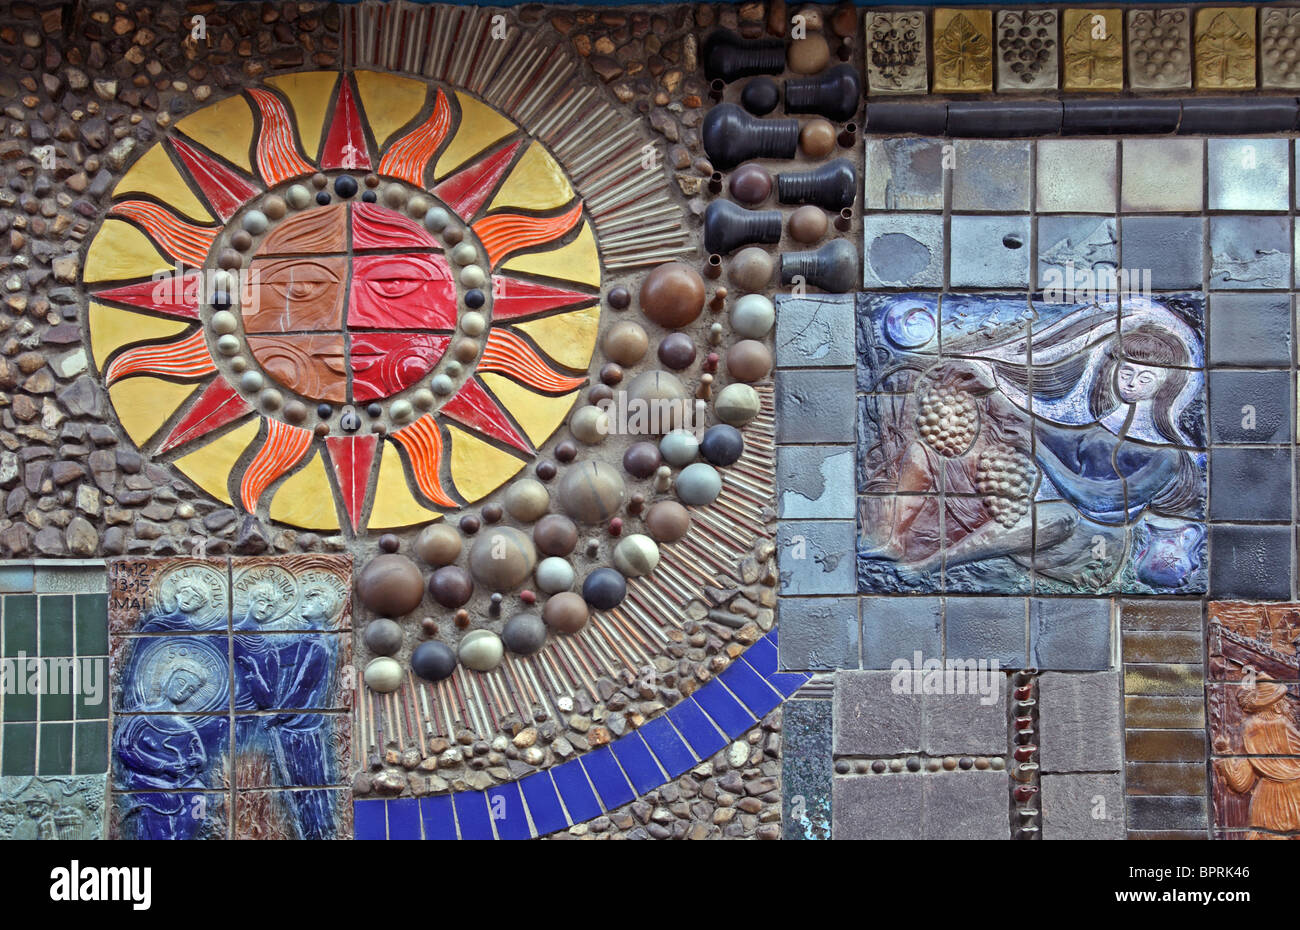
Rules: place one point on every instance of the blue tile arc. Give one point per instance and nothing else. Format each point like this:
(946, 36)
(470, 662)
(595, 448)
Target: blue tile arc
(370, 820)
(439, 817)
(669, 748)
(611, 784)
(543, 803)
(473, 816)
(728, 713)
(404, 819)
(579, 800)
(638, 763)
(746, 684)
(696, 727)
(506, 807)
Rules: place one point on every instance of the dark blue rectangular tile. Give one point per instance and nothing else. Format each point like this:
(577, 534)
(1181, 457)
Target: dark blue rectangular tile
(749, 686)
(638, 762)
(673, 754)
(579, 800)
(369, 820)
(472, 815)
(404, 819)
(611, 784)
(439, 818)
(725, 710)
(543, 803)
(691, 722)
(762, 655)
(507, 809)
(788, 682)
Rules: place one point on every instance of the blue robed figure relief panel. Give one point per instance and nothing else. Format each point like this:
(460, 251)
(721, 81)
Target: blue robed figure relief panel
(1012, 445)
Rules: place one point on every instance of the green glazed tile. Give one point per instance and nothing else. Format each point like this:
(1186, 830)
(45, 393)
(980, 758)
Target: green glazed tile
(19, 749)
(56, 749)
(56, 625)
(92, 624)
(92, 747)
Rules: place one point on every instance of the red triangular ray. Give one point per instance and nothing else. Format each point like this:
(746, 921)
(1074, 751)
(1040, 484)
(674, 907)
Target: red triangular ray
(474, 407)
(345, 146)
(226, 190)
(170, 296)
(352, 457)
(468, 189)
(514, 299)
(218, 405)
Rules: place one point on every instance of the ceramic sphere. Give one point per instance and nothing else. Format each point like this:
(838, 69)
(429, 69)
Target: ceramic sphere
(433, 661)
(390, 585)
(383, 675)
(554, 574)
(672, 295)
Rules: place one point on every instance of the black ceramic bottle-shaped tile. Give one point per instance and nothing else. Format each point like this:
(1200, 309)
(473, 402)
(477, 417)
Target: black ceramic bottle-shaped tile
(727, 227)
(731, 136)
(727, 56)
(833, 94)
(833, 267)
(833, 186)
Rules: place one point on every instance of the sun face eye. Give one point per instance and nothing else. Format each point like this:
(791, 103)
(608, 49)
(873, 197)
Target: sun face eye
(391, 288)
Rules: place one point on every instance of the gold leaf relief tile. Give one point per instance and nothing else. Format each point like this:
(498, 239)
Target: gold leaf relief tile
(963, 51)
(1225, 48)
(1093, 49)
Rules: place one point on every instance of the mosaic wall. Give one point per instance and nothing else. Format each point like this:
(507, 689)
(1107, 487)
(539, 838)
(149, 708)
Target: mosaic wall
(671, 421)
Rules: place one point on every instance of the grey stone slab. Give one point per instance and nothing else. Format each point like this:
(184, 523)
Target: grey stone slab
(817, 557)
(873, 717)
(79, 579)
(897, 627)
(1252, 562)
(16, 579)
(986, 628)
(1159, 49)
(1250, 406)
(815, 406)
(1250, 252)
(1070, 633)
(815, 331)
(1071, 245)
(1163, 174)
(1082, 807)
(1028, 52)
(1076, 175)
(1079, 720)
(903, 174)
(991, 175)
(815, 482)
(877, 807)
(902, 250)
(1249, 174)
(989, 251)
(1157, 813)
(974, 723)
(806, 763)
(1250, 330)
(1251, 484)
(1170, 247)
(965, 806)
(818, 633)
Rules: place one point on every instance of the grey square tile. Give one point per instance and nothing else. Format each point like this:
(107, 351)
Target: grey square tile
(974, 723)
(1250, 406)
(903, 174)
(1250, 484)
(877, 807)
(898, 627)
(965, 806)
(1163, 175)
(1170, 247)
(815, 482)
(1079, 720)
(1251, 562)
(817, 557)
(990, 175)
(1249, 174)
(1083, 807)
(873, 718)
(810, 331)
(818, 633)
(1076, 176)
(1250, 330)
(1250, 252)
(1070, 246)
(986, 628)
(989, 251)
(1070, 633)
(902, 250)
(815, 406)
(1175, 813)
(1028, 52)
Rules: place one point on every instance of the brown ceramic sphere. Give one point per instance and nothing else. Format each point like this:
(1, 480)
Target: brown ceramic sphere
(566, 451)
(438, 544)
(808, 55)
(817, 138)
(667, 521)
(229, 259)
(453, 235)
(565, 612)
(750, 184)
(677, 351)
(600, 392)
(527, 499)
(611, 374)
(751, 269)
(491, 513)
(295, 411)
(390, 585)
(749, 360)
(618, 298)
(592, 492)
(502, 558)
(641, 459)
(241, 240)
(466, 350)
(673, 295)
(625, 342)
(274, 207)
(451, 586)
(808, 224)
(555, 534)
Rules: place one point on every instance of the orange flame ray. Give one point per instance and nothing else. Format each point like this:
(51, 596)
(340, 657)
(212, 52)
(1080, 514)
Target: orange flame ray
(409, 156)
(423, 443)
(503, 233)
(180, 239)
(507, 352)
(183, 358)
(284, 446)
(277, 156)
